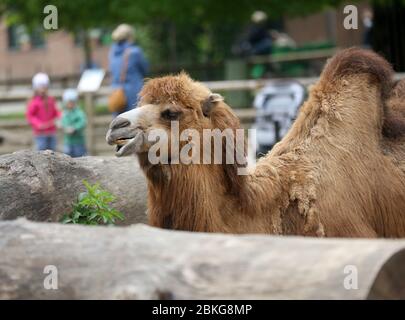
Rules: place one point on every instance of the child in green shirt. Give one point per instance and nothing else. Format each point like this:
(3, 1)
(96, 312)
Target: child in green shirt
(73, 124)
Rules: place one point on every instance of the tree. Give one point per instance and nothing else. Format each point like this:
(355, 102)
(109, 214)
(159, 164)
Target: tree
(388, 30)
(200, 28)
(76, 17)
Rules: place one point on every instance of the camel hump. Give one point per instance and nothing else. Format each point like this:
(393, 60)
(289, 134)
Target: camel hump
(355, 61)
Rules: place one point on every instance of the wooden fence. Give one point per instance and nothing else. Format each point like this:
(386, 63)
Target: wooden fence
(16, 134)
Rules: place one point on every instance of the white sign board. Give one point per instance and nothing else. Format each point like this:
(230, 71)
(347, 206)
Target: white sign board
(91, 79)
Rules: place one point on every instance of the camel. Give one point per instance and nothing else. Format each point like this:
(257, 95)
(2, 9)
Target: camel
(339, 171)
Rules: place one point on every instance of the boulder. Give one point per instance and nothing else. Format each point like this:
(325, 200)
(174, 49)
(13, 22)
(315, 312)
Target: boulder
(42, 186)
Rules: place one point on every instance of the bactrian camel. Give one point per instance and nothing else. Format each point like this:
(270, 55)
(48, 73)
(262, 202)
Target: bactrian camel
(339, 172)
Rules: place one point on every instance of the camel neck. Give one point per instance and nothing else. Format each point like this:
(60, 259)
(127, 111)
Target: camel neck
(191, 197)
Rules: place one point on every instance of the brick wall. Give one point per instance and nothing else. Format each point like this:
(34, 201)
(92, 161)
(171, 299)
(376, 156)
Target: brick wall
(326, 26)
(59, 57)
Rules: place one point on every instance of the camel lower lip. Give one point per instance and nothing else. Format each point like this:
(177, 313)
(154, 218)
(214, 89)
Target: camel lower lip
(118, 147)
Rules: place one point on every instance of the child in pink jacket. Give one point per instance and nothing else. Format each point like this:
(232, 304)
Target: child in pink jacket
(42, 114)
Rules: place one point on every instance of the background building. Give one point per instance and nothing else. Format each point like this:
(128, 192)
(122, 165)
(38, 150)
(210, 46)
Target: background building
(60, 54)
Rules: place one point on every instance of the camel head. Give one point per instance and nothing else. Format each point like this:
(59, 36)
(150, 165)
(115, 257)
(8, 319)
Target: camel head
(165, 102)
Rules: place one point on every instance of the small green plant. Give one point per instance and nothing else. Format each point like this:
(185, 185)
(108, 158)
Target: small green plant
(93, 207)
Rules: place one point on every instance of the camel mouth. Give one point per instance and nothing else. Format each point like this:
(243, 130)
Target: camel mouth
(128, 145)
(120, 145)
(126, 141)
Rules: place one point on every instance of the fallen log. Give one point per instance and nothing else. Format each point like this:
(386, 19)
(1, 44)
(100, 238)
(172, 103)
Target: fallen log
(42, 186)
(141, 262)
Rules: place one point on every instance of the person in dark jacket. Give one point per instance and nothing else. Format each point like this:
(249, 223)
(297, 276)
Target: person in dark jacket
(256, 39)
(259, 36)
(126, 55)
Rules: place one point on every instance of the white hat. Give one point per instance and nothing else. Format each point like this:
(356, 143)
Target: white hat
(123, 32)
(70, 95)
(259, 16)
(40, 80)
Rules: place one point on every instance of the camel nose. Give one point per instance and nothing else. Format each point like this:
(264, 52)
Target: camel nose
(119, 122)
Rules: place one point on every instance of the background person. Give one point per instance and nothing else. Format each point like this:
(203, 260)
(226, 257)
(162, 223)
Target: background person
(256, 39)
(42, 114)
(73, 125)
(259, 36)
(128, 65)
(368, 28)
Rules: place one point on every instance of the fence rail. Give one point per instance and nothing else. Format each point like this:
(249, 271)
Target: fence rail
(226, 85)
(320, 54)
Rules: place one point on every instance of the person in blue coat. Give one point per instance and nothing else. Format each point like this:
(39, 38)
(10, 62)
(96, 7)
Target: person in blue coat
(124, 50)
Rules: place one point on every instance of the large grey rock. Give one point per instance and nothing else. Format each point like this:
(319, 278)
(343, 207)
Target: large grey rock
(42, 186)
(141, 262)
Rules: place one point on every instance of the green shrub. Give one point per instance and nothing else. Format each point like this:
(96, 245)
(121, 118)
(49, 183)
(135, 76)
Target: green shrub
(92, 207)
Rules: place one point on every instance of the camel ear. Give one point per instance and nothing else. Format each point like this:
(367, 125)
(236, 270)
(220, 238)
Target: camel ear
(210, 102)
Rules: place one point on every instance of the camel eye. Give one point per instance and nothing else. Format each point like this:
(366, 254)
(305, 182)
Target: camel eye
(170, 115)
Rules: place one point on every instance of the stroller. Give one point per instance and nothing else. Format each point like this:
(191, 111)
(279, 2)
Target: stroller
(277, 105)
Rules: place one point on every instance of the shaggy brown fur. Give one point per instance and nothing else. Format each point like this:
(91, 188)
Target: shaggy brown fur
(394, 123)
(359, 176)
(335, 174)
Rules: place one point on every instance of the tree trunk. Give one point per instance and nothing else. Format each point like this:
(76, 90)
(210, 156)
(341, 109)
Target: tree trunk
(142, 262)
(42, 186)
(87, 48)
(173, 46)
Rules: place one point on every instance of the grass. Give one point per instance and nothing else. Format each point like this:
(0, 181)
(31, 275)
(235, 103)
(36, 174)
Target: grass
(12, 116)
